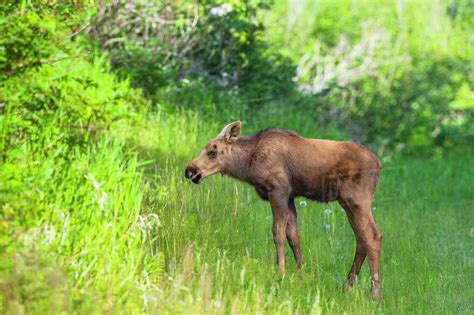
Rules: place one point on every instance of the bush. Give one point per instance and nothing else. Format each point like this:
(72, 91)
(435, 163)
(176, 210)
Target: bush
(67, 102)
(393, 81)
(160, 43)
(73, 229)
(74, 232)
(33, 31)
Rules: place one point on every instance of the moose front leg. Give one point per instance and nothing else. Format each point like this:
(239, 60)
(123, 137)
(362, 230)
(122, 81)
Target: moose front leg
(279, 203)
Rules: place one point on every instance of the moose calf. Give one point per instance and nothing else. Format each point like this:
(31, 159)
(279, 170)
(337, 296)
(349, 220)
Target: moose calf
(282, 165)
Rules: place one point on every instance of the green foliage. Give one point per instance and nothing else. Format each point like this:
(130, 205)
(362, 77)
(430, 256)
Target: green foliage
(395, 75)
(413, 113)
(74, 229)
(162, 42)
(407, 88)
(33, 31)
(72, 99)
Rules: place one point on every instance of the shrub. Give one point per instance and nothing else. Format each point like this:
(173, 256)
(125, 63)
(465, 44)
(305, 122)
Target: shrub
(67, 102)
(33, 31)
(161, 42)
(395, 81)
(73, 229)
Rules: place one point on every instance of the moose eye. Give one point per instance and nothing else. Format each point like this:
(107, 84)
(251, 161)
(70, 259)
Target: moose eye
(212, 154)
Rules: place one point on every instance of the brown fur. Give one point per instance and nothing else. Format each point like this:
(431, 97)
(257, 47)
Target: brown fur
(282, 165)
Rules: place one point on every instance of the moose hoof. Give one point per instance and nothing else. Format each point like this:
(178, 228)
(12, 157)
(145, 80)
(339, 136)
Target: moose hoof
(376, 290)
(302, 272)
(377, 293)
(349, 284)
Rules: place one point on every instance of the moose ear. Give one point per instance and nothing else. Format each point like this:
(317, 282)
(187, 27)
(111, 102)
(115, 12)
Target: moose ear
(231, 132)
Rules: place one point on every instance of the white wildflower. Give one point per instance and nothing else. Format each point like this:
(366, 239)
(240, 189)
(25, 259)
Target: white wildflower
(94, 181)
(103, 200)
(102, 197)
(221, 10)
(49, 233)
(147, 222)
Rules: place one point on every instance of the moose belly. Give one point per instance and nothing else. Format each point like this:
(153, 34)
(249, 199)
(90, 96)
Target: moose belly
(322, 189)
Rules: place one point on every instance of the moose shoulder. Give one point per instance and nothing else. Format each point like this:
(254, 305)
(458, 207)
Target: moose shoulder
(282, 165)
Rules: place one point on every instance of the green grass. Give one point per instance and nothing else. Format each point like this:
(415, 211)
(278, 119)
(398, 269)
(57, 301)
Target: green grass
(119, 229)
(423, 208)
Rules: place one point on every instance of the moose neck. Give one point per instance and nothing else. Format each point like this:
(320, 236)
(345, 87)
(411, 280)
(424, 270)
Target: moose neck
(239, 167)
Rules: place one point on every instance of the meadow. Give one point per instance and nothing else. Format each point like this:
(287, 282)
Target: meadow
(128, 233)
(102, 106)
(220, 244)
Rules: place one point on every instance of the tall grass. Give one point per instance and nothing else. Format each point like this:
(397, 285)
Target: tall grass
(83, 238)
(218, 249)
(117, 228)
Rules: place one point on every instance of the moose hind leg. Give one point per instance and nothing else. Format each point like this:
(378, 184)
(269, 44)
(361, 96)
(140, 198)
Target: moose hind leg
(369, 243)
(292, 234)
(360, 252)
(373, 241)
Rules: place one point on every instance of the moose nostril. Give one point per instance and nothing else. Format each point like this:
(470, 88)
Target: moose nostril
(189, 172)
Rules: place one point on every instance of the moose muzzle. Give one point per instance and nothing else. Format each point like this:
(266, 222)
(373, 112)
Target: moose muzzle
(193, 173)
